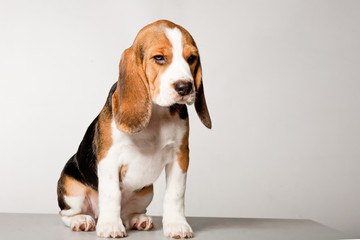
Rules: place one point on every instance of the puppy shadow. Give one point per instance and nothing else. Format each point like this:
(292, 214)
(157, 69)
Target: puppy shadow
(201, 224)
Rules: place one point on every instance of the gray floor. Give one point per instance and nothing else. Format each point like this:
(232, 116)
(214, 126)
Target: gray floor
(49, 226)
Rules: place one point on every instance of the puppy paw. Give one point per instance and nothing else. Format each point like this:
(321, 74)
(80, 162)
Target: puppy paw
(177, 229)
(82, 223)
(139, 222)
(110, 229)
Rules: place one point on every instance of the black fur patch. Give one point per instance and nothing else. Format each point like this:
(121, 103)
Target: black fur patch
(181, 109)
(83, 165)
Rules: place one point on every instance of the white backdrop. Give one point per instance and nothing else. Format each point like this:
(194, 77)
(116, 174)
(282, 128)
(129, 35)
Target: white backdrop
(282, 80)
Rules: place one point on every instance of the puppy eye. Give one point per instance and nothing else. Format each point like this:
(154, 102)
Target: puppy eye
(191, 59)
(160, 59)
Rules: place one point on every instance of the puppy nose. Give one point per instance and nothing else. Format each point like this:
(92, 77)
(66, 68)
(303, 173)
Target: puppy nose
(183, 87)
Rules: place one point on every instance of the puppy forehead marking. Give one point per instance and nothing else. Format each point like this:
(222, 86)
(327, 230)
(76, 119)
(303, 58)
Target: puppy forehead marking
(179, 68)
(175, 37)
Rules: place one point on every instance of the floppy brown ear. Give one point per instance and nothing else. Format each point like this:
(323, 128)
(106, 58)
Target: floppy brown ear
(131, 102)
(200, 102)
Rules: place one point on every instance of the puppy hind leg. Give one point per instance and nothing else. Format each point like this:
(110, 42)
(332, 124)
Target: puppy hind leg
(74, 204)
(74, 217)
(79, 222)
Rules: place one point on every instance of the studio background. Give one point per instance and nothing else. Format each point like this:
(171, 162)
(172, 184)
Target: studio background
(282, 81)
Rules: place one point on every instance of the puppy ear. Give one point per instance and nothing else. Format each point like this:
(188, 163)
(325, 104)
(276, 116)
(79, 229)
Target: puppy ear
(200, 102)
(131, 102)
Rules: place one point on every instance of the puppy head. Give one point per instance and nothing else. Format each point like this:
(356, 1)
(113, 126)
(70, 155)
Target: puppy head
(162, 66)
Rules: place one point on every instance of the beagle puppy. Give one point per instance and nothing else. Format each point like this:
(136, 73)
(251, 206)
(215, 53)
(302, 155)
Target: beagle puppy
(142, 129)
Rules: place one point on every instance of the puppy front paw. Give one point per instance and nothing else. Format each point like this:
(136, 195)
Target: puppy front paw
(110, 229)
(177, 229)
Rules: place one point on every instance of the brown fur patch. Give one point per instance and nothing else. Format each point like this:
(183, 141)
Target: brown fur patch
(103, 139)
(60, 193)
(122, 172)
(70, 187)
(183, 154)
(74, 188)
(144, 191)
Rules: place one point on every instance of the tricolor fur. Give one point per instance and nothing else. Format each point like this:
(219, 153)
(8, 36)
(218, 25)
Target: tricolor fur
(142, 129)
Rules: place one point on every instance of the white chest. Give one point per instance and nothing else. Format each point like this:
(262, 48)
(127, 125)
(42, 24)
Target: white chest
(145, 154)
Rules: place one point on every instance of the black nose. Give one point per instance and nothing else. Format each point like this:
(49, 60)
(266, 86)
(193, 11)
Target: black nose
(183, 87)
